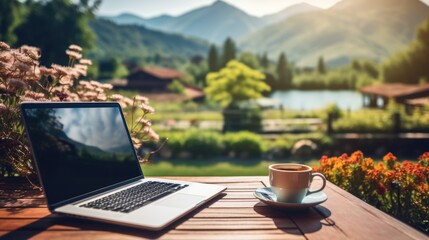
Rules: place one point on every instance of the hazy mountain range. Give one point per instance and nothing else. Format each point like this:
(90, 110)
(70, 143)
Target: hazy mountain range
(132, 41)
(213, 23)
(350, 29)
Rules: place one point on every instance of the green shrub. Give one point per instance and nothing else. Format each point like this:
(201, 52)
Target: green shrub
(202, 144)
(244, 144)
(175, 143)
(281, 148)
(176, 87)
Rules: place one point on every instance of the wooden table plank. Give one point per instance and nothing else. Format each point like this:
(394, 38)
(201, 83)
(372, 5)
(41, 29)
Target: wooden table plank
(236, 214)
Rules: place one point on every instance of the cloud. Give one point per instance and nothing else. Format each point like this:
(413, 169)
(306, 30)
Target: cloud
(98, 127)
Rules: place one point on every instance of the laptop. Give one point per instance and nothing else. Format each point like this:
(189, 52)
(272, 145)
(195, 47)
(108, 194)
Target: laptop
(88, 168)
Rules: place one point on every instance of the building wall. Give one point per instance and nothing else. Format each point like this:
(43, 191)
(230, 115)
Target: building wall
(147, 82)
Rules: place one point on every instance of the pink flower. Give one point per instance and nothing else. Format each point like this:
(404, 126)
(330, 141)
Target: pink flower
(146, 108)
(116, 97)
(85, 61)
(73, 54)
(75, 47)
(142, 99)
(4, 46)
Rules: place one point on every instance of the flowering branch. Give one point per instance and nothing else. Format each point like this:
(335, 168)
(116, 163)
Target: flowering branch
(22, 79)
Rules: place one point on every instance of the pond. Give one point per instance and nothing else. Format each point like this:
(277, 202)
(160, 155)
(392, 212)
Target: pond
(317, 99)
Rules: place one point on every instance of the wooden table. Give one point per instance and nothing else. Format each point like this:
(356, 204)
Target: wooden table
(235, 214)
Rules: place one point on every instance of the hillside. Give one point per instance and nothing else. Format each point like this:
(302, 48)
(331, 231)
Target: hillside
(129, 41)
(289, 12)
(351, 29)
(213, 23)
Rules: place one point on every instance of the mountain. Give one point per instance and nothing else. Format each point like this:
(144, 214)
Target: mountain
(128, 41)
(289, 12)
(348, 30)
(213, 23)
(126, 19)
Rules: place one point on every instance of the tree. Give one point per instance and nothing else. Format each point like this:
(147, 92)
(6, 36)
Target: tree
(235, 84)
(111, 68)
(213, 59)
(54, 25)
(264, 61)
(249, 59)
(412, 64)
(11, 15)
(229, 51)
(321, 65)
(284, 72)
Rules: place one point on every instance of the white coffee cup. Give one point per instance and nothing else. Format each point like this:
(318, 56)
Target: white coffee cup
(291, 181)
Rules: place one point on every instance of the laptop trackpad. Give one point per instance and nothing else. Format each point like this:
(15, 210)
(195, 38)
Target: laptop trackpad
(180, 200)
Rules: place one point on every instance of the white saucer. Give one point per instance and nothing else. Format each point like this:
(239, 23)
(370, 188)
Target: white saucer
(268, 197)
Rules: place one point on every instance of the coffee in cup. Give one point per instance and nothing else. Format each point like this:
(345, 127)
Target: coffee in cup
(291, 181)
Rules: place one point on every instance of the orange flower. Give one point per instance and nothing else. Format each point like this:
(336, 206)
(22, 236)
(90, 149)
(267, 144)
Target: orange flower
(344, 156)
(424, 160)
(423, 188)
(389, 160)
(356, 157)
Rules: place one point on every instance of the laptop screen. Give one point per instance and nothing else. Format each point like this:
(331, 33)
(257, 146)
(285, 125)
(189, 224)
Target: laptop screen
(80, 147)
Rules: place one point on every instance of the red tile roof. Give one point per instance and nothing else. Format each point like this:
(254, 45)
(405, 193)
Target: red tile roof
(163, 73)
(392, 90)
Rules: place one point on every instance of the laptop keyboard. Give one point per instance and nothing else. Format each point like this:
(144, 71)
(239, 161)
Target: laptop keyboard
(135, 197)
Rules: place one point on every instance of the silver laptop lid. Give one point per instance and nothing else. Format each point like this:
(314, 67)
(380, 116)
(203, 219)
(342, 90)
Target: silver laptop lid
(80, 149)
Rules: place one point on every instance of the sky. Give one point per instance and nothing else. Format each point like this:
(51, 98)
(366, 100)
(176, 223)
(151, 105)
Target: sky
(98, 127)
(152, 8)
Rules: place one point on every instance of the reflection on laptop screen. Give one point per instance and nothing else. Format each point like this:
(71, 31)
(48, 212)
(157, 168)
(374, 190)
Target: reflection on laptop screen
(80, 149)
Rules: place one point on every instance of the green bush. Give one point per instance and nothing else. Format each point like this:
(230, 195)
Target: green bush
(202, 144)
(281, 148)
(243, 144)
(176, 87)
(175, 143)
(365, 121)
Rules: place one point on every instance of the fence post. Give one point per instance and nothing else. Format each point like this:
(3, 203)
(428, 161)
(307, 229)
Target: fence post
(329, 128)
(396, 118)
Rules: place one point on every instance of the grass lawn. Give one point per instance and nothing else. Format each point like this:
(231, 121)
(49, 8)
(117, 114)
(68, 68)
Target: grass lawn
(213, 167)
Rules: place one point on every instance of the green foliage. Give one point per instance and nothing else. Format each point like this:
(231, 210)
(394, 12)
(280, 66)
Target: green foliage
(264, 61)
(235, 83)
(176, 87)
(63, 23)
(142, 44)
(213, 59)
(229, 51)
(202, 144)
(249, 59)
(282, 146)
(12, 13)
(198, 144)
(112, 68)
(247, 117)
(411, 64)
(350, 77)
(284, 72)
(365, 121)
(197, 72)
(243, 144)
(321, 68)
(366, 66)
(334, 111)
(356, 29)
